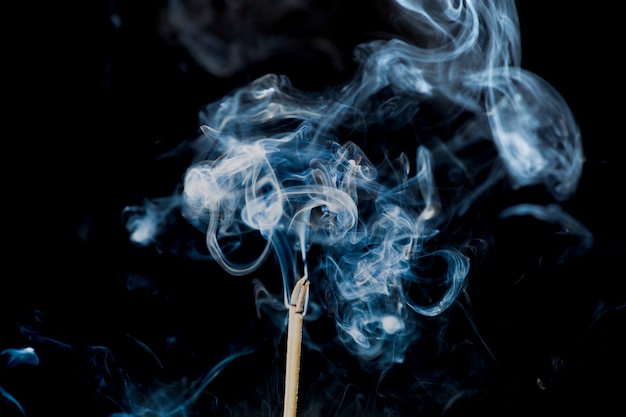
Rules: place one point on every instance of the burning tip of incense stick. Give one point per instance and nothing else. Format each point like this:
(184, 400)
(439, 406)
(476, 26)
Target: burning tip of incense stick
(300, 296)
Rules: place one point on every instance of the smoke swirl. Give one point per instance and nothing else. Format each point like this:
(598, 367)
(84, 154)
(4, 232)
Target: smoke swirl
(292, 167)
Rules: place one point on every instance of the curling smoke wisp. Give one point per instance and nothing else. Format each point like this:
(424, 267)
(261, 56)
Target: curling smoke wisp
(301, 170)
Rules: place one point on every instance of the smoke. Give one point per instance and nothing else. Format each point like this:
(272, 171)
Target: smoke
(230, 38)
(16, 357)
(395, 153)
(329, 171)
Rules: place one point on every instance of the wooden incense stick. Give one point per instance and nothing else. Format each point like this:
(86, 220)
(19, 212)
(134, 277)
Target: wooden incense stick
(297, 307)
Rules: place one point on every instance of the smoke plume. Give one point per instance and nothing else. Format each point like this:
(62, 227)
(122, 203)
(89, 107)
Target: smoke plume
(376, 148)
(352, 173)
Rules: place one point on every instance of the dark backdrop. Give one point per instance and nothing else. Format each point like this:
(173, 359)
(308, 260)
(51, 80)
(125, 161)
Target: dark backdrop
(90, 106)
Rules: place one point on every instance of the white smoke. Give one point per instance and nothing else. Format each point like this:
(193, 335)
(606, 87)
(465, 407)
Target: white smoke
(286, 164)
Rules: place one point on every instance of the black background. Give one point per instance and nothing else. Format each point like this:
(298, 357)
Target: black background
(88, 109)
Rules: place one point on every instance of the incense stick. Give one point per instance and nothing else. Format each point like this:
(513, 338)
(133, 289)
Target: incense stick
(297, 307)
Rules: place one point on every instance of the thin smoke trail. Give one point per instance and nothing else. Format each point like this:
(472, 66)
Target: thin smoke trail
(12, 357)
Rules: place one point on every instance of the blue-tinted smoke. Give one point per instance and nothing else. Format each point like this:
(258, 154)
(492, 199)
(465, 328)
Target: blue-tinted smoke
(280, 163)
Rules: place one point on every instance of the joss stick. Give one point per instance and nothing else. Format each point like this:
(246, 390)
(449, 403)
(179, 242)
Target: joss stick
(297, 307)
